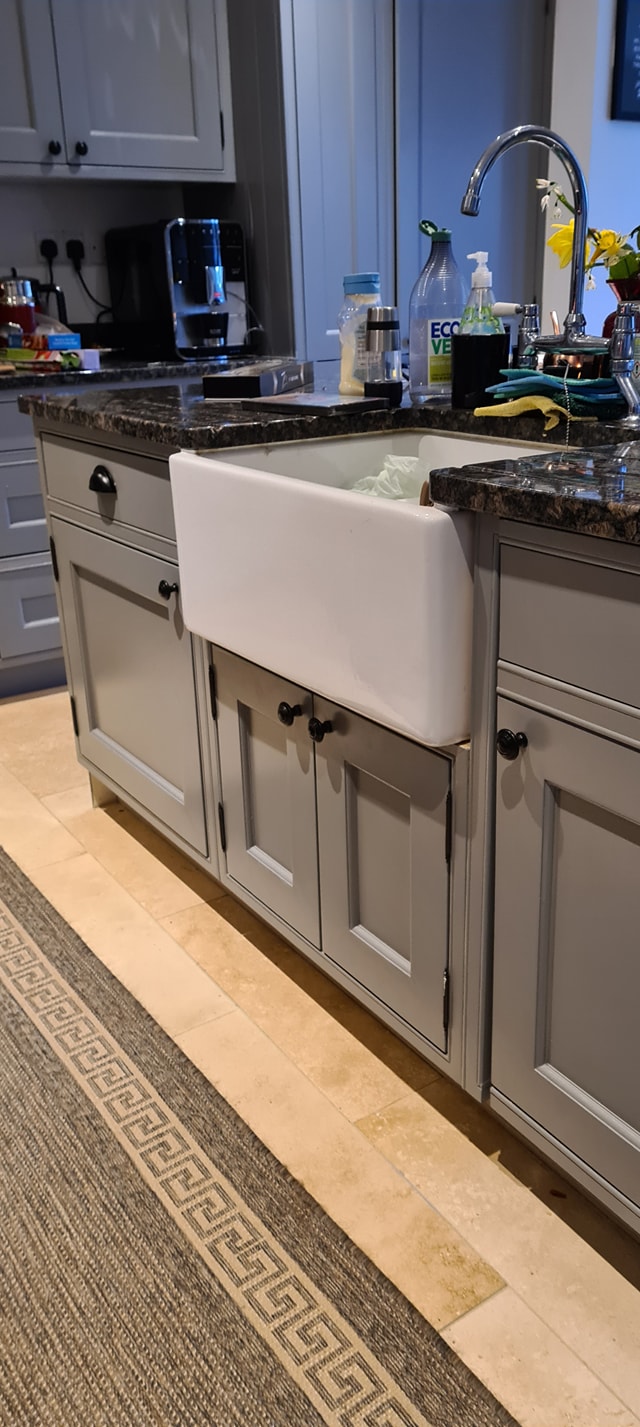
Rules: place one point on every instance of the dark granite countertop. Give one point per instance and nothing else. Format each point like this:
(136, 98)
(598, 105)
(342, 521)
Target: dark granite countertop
(116, 370)
(178, 416)
(591, 492)
(592, 487)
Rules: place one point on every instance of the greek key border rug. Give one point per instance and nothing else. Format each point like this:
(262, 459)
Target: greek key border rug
(159, 1267)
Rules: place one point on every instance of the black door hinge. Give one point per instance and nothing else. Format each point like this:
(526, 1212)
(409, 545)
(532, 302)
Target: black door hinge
(446, 999)
(74, 715)
(448, 834)
(222, 128)
(223, 828)
(212, 692)
(54, 559)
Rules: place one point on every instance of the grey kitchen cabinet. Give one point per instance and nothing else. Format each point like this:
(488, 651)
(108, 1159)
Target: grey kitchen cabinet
(23, 527)
(268, 790)
(30, 644)
(117, 89)
(31, 128)
(384, 809)
(29, 622)
(566, 982)
(345, 837)
(130, 665)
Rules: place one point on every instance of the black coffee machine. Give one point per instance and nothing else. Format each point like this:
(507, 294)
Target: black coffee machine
(178, 288)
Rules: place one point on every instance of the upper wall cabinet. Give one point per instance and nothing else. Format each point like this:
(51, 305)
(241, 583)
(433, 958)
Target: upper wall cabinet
(116, 89)
(31, 129)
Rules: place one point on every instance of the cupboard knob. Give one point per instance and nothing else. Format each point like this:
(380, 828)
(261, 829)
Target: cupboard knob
(287, 713)
(101, 481)
(509, 744)
(81, 148)
(167, 590)
(318, 728)
(55, 147)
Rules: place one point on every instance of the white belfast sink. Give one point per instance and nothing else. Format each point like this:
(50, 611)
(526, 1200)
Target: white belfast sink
(367, 601)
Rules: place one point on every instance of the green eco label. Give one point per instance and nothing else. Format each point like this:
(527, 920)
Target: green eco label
(440, 330)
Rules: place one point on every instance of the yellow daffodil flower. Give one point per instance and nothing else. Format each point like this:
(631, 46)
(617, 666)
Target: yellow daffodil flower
(561, 242)
(610, 246)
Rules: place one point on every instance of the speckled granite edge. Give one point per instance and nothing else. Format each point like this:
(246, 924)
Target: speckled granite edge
(179, 417)
(607, 520)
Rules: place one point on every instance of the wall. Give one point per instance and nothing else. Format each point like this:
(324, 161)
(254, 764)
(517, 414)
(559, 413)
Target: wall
(35, 210)
(466, 73)
(608, 150)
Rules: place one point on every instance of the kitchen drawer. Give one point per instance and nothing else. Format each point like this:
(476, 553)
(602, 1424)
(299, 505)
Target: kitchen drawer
(29, 622)
(142, 498)
(571, 620)
(23, 528)
(16, 430)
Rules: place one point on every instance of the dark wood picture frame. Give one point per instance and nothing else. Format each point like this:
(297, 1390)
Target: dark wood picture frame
(625, 90)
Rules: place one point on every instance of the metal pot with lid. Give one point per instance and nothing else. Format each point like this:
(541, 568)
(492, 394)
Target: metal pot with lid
(17, 302)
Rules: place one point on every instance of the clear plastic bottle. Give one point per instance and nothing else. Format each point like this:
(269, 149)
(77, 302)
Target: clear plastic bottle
(361, 291)
(435, 310)
(478, 316)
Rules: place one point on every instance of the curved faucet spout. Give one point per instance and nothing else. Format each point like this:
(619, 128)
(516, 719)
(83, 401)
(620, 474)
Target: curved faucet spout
(574, 325)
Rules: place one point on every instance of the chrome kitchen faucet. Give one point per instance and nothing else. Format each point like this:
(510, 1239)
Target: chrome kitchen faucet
(574, 323)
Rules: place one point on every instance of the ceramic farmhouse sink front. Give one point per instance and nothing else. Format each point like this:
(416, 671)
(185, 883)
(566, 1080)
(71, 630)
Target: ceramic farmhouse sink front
(367, 601)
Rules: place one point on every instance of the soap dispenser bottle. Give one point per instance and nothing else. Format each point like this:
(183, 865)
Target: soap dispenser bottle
(480, 347)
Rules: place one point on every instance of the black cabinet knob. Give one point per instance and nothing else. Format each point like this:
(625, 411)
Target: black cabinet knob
(81, 148)
(287, 713)
(55, 148)
(101, 481)
(509, 744)
(167, 590)
(318, 728)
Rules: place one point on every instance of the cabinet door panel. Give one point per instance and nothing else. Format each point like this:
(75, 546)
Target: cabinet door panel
(30, 114)
(131, 671)
(23, 527)
(29, 622)
(140, 82)
(382, 817)
(567, 910)
(268, 791)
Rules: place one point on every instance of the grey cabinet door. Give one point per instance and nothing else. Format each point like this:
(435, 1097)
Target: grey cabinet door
(566, 1047)
(23, 527)
(383, 806)
(268, 791)
(30, 113)
(29, 622)
(140, 84)
(131, 671)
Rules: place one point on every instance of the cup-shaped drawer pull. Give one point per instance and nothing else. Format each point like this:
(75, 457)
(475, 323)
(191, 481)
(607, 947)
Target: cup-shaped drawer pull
(101, 481)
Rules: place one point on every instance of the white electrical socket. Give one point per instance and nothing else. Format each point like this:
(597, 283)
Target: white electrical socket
(93, 246)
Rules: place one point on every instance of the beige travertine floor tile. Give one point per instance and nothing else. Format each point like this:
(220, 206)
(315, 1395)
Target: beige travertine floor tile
(587, 1303)
(513, 1156)
(539, 1380)
(226, 940)
(158, 875)
(144, 957)
(414, 1246)
(37, 744)
(28, 832)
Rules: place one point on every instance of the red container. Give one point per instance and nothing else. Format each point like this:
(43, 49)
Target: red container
(17, 303)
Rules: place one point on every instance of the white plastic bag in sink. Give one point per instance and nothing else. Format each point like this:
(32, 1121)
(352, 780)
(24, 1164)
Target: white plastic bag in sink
(401, 478)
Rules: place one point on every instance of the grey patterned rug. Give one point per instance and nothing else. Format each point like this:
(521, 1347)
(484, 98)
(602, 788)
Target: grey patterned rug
(159, 1267)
